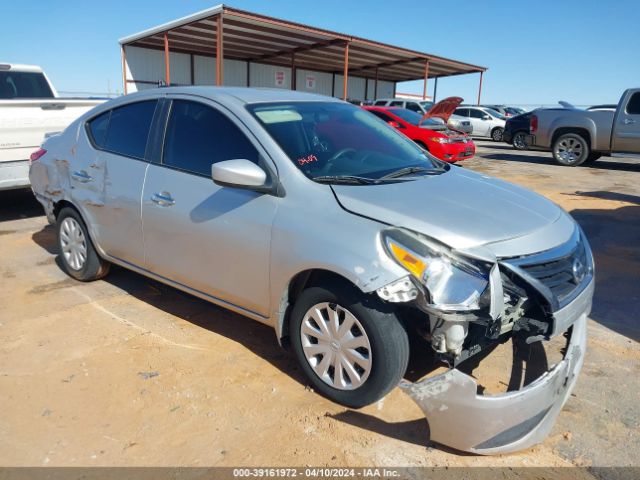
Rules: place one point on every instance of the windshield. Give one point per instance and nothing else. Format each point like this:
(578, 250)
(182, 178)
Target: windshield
(414, 118)
(426, 105)
(24, 85)
(330, 139)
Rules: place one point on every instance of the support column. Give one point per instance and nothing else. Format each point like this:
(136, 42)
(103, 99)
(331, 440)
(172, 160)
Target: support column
(480, 88)
(124, 70)
(219, 52)
(167, 68)
(375, 86)
(293, 71)
(435, 90)
(345, 76)
(426, 77)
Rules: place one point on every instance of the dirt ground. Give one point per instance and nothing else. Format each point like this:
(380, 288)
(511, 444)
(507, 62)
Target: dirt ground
(129, 372)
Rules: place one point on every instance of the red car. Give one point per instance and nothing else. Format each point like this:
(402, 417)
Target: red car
(435, 137)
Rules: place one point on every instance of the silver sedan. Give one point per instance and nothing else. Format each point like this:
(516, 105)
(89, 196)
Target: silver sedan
(312, 215)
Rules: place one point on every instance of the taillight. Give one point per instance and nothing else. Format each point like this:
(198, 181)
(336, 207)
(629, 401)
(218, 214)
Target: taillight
(533, 125)
(37, 154)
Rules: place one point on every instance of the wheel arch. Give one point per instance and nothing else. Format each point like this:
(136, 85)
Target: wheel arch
(582, 131)
(297, 284)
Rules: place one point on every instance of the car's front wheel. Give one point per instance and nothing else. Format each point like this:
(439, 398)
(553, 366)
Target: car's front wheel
(350, 345)
(78, 255)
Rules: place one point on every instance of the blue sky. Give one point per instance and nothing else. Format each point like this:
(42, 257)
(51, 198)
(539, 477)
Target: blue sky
(538, 52)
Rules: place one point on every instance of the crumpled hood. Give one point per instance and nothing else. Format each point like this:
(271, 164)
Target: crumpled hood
(459, 208)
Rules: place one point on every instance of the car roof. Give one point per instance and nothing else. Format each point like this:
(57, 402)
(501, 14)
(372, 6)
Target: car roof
(243, 94)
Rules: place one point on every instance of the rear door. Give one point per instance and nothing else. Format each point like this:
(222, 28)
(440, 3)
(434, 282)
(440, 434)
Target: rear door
(108, 175)
(626, 129)
(213, 239)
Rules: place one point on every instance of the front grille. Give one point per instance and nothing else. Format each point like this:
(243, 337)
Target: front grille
(564, 271)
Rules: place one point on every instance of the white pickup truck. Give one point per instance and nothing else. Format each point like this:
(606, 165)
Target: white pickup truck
(29, 110)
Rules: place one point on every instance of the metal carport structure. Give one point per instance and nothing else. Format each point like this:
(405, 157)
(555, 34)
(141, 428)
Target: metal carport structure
(246, 42)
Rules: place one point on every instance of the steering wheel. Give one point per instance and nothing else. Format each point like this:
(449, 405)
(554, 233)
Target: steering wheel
(336, 156)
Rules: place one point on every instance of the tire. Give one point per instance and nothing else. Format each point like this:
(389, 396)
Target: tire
(383, 341)
(77, 254)
(570, 150)
(518, 141)
(496, 134)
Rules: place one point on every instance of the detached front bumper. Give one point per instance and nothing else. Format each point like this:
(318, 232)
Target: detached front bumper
(508, 422)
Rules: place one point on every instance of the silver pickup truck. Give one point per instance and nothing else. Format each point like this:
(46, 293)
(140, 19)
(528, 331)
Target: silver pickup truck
(577, 136)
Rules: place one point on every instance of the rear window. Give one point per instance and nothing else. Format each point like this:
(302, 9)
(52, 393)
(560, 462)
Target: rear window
(98, 128)
(633, 107)
(24, 85)
(129, 129)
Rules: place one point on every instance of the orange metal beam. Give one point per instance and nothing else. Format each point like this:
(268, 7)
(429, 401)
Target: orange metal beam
(219, 52)
(345, 77)
(480, 88)
(167, 69)
(124, 70)
(426, 77)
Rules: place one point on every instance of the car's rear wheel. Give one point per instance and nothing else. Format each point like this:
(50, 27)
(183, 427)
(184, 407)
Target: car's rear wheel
(77, 253)
(351, 346)
(570, 150)
(518, 141)
(496, 134)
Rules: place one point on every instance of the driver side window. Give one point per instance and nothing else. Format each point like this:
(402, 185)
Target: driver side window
(476, 113)
(198, 136)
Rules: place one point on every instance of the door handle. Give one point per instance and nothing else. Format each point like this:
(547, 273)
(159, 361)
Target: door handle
(81, 176)
(628, 121)
(164, 199)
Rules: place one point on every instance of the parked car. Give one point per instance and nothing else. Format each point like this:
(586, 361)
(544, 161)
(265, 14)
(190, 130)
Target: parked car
(505, 110)
(516, 130)
(577, 136)
(485, 121)
(456, 122)
(29, 109)
(436, 138)
(313, 216)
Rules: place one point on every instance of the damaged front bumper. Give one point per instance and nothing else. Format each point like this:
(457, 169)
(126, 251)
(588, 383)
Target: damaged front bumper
(460, 418)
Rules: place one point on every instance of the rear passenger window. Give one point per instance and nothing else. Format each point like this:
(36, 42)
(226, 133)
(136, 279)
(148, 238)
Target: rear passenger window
(198, 136)
(98, 128)
(396, 104)
(129, 129)
(633, 107)
(463, 112)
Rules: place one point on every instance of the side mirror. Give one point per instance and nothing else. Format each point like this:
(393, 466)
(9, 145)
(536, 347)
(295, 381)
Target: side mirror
(486, 117)
(394, 124)
(239, 174)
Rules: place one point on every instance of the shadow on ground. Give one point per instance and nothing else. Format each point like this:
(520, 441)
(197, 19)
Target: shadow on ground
(603, 164)
(17, 204)
(614, 236)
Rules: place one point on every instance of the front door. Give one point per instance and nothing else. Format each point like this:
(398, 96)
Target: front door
(626, 130)
(213, 239)
(479, 123)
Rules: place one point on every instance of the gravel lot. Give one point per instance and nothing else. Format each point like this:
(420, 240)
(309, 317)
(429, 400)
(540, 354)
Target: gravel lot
(126, 371)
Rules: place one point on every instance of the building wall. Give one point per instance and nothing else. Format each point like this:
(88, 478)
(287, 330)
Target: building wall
(147, 67)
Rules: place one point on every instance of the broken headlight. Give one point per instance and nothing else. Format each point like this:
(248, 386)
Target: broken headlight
(452, 283)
